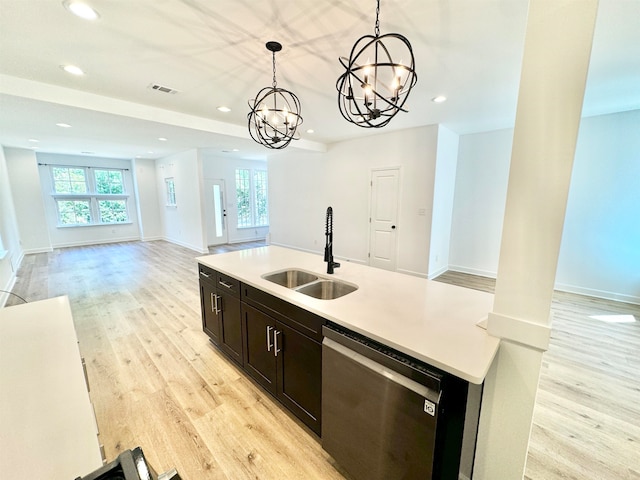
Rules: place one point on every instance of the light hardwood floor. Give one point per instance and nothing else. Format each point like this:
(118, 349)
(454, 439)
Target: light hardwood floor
(157, 382)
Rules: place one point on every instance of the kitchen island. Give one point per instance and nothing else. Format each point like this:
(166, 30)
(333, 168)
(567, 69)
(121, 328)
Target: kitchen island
(47, 424)
(430, 321)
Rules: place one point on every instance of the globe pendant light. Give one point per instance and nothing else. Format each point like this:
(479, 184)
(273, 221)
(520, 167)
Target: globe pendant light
(375, 86)
(275, 112)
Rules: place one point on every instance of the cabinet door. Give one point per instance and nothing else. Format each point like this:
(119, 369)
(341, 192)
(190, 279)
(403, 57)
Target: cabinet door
(230, 325)
(299, 362)
(210, 322)
(259, 359)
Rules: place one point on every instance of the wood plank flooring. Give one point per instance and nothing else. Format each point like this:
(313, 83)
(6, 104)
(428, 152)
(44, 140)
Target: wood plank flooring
(157, 382)
(586, 421)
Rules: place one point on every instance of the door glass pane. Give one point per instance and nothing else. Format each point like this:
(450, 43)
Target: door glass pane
(217, 206)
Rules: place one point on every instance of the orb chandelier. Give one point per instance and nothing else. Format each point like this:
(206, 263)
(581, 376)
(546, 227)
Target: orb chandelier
(375, 86)
(275, 112)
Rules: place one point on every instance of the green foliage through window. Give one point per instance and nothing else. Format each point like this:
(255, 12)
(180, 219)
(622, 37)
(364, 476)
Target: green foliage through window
(113, 211)
(69, 180)
(109, 182)
(252, 198)
(103, 197)
(74, 212)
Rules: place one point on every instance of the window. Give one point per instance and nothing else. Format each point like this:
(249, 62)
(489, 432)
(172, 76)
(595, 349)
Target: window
(252, 198)
(89, 196)
(171, 191)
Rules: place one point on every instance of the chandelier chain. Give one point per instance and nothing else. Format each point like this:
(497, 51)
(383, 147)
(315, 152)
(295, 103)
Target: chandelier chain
(377, 28)
(274, 70)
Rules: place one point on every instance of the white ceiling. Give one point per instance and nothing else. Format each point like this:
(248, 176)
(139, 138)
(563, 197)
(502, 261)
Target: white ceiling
(213, 52)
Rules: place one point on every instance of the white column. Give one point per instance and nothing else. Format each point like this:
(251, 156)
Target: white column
(554, 71)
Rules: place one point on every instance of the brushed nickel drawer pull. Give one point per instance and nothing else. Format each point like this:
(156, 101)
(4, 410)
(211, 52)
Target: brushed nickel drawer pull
(276, 350)
(269, 344)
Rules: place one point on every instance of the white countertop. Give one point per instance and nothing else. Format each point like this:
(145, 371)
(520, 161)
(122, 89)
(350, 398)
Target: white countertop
(431, 321)
(47, 426)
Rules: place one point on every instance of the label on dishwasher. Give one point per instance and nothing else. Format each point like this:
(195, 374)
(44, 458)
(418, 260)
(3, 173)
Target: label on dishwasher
(429, 407)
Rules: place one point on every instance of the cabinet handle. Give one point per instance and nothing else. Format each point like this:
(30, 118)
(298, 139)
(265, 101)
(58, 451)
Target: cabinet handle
(214, 304)
(226, 285)
(205, 275)
(275, 342)
(269, 344)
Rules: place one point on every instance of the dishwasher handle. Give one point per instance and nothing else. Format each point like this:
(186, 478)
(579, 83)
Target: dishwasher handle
(426, 392)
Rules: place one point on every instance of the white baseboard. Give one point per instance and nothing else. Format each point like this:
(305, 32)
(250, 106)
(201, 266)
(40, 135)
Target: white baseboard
(96, 242)
(471, 271)
(7, 288)
(321, 252)
(38, 250)
(412, 273)
(590, 292)
(244, 240)
(562, 287)
(437, 273)
(186, 245)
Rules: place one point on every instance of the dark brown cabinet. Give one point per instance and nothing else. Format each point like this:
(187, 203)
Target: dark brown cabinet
(281, 358)
(277, 343)
(221, 312)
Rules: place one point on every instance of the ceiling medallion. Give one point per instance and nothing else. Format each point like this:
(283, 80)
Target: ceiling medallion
(374, 87)
(275, 112)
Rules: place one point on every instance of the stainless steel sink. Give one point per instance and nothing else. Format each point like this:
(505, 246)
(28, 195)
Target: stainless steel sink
(291, 278)
(327, 289)
(310, 284)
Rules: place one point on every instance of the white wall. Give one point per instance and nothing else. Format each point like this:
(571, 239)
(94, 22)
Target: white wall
(148, 206)
(599, 254)
(183, 224)
(444, 187)
(12, 254)
(22, 166)
(94, 234)
(304, 184)
(214, 167)
(479, 201)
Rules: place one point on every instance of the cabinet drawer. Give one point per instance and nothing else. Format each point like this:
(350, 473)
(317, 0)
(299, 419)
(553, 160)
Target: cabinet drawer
(295, 317)
(206, 274)
(228, 284)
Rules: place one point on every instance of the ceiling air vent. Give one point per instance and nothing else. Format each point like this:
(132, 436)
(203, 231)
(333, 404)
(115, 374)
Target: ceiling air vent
(162, 88)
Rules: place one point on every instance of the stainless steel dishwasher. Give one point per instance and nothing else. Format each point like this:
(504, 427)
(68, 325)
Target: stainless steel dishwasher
(380, 410)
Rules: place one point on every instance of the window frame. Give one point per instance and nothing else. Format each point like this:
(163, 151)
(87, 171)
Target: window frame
(90, 195)
(170, 192)
(253, 198)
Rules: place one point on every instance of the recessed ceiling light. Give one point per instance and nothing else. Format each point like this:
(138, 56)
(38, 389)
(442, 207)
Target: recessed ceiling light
(63, 125)
(162, 139)
(72, 69)
(150, 151)
(224, 109)
(311, 130)
(235, 150)
(439, 99)
(81, 10)
(34, 140)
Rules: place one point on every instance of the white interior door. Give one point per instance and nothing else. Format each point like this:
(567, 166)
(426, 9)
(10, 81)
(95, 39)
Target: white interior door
(216, 212)
(383, 218)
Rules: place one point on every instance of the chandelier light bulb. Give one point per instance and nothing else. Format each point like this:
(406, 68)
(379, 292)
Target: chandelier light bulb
(370, 94)
(275, 112)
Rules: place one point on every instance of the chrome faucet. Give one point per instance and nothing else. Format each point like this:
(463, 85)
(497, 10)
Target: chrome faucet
(328, 248)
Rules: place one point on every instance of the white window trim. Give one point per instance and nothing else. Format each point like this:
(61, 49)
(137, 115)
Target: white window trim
(170, 187)
(91, 195)
(252, 198)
